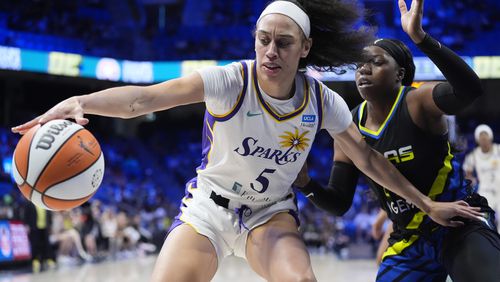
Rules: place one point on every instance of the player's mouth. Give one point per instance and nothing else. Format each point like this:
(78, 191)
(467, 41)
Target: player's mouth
(364, 82)
(271, 68)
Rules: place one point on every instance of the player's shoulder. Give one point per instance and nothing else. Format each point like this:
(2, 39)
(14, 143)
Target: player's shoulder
(237, 66)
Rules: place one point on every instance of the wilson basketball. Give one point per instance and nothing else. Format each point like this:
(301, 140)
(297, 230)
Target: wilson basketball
(58, 166)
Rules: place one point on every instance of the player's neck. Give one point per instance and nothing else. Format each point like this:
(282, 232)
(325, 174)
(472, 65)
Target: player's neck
(380, 106)
(282, 91)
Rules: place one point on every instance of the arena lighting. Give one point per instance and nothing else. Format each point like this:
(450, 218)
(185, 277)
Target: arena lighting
(7, 164)
(76, 65)
(10, 58)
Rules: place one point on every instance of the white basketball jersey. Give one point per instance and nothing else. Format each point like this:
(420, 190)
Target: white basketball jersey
(487, 167)
(252, 154)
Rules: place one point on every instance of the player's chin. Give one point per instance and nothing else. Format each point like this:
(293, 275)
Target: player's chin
(367, 91)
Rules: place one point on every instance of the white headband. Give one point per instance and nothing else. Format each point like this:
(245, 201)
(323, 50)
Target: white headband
(290, 10)
(483, 128)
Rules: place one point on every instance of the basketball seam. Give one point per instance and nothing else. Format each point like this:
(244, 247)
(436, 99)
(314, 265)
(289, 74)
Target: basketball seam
(53, 156)
(25, 179)
(17, 168)
(67, 200)
(75, 175)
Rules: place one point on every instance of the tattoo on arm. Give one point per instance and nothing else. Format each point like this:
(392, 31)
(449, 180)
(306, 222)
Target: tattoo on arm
(131, 106)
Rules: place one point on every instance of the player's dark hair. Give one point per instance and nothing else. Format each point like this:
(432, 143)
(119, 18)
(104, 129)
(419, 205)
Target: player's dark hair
(337, 42)
(401, 54)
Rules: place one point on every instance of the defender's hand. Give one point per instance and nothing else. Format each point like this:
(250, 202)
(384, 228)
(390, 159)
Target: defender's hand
(446, 213)
(411, 20)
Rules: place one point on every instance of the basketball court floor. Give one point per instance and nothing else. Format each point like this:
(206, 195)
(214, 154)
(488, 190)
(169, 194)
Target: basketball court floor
(326, 267)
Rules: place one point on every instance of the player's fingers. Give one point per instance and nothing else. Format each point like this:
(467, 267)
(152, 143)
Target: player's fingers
(419, 4)
(469, 213)
(22, 132)
(466, 207)
(402, 7)
(462, 203)
(28, 129)
(23, 128)
(474, 213)
(80, 119)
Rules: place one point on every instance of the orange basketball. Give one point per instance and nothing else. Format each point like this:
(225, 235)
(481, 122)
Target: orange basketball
(58, 166)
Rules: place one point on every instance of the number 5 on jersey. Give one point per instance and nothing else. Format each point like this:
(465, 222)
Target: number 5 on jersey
(264, 182)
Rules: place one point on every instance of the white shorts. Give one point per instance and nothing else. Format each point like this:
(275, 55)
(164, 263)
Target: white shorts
(227, 229)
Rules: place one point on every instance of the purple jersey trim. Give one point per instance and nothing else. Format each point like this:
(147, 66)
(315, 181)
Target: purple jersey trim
(177, 221)
(207, 140)
(319, 101)
(240, 100)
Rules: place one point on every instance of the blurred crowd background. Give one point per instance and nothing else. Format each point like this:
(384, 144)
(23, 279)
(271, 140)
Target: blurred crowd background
(149, 159)
(215, 29)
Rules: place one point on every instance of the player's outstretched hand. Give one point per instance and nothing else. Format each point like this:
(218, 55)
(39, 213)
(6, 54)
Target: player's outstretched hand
(451, 214)
(411, 20)
(67, 109)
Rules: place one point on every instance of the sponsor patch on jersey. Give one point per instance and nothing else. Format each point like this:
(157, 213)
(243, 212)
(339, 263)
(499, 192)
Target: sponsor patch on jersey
(308, 120)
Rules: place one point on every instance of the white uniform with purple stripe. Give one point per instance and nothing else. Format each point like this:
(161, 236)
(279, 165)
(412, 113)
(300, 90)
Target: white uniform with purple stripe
(487, 167)
(253, 148)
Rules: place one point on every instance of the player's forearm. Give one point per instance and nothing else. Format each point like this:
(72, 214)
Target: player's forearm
(384, 173)
(378, 168)
(123, 102)
(337, 197)
(463, 85)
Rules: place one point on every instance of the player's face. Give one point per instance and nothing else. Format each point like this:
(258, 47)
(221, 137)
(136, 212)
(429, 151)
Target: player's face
(377, 74)
(279, 45)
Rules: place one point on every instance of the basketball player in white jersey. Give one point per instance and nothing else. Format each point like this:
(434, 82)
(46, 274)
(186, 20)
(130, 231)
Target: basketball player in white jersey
(260, 123)
(484, 160)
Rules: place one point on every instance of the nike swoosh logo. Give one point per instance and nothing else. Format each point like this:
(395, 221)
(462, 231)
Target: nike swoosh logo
(250, 114)
(310, 195)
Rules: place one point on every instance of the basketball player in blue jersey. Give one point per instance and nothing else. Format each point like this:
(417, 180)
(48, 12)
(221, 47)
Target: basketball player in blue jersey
(260, 122)
(407, 125)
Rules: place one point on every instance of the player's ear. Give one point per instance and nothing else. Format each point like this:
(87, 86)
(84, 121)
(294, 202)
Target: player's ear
(401, 74)
(307, 44)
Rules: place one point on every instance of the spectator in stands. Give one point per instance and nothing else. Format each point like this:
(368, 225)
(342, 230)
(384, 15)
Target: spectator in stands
(484, 160)
(70, 250)
(363, 221)
(38, 223)
(127, 237)
(90, 230)
(109, 226)
(381, 230)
